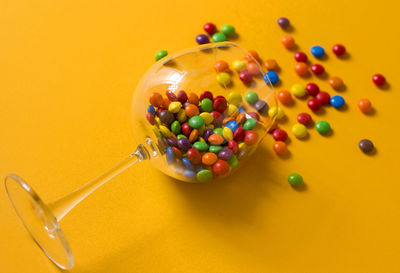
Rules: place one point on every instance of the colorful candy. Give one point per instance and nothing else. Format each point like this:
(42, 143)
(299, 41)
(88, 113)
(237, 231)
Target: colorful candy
(223, 78)
(284, 97)
(221, 168)
(337, 101)
(245, 76)
(304, 119)
(336, 83)
(323, 97)
(295, 179)
(298, 90)
(228, 30)
(317, 69)
(202, 39)
(312, 89)
(239, 65)
(279, 135)
(288, 42)
(210, 28)
(161, 54)
(379, 80)
(250, 137)
(366, 145)
(364, 105)
(218, 37)
(283, 22)
(301, 69)
(204, 175)
(299, 130)
(314, 104)
(251, 97)
(272, 76)
(271, 64)
(322, 127)
(317, 51)
(300, 56)
(339, 50)
(276, 112)
(253, 68)
(279, 147)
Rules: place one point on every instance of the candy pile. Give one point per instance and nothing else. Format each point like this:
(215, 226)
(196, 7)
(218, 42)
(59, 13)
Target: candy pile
(216, 36)
(206, 135)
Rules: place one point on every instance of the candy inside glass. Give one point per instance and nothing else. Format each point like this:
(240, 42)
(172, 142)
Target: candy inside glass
(191, 70)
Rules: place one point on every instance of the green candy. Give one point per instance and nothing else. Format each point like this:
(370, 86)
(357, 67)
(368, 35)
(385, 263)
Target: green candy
(196, 122)
(323, 127)
(176, 127)
(215, 149)
(218, 131)
(233, 161)
(207, 105)
(161, 54)
(204, 175)
(249, 124)
(251, 97)
(219, 37)
(295, 179)
(180, 136)
(228, 30)
(201, 146)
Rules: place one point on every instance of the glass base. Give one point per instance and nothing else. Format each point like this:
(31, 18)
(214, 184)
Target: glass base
(39, 221)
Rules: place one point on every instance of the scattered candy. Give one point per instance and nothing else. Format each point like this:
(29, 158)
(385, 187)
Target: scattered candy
(378, 79)
(299, 130)
(300, 56)
(223, 78)
(364, 105)
(312, 89)
(251, 97)
(280, 147)
(288, 42)
(276, 111)
(314, 104)
(271, 64)
(323, 127)
(283, 22)
(323, 97)
(202, 39)
(161, 54)
(298, 90)
(261, 107)
(272, 76)
(221, 66)
(337, 101)
(339, 50)
(301, 69)
(210, 28)
(279, 135)
(284, 96)
(304, 119)
(218, 37)
(317, 69)
(245, 76)
(228, 30)
(295, 179)
(253, 68)
(366, 145)
(336, 83)
(317, 51)
(239, 65)
(252, 56)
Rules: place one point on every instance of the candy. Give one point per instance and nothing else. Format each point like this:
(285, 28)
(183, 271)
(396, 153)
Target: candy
(250, 137)
(245, 76)
(322, 127)
(284, 96)
(194, 135)
(202, 39)
(210, 28)
(238, 65)
(176, 127)
(239, 134)
(364, 105)
(166, 117)
(220, 104)
(276, 112)
(193, 98)
(204, 175)
(181, 96)
(232, 125)
(254, 115)
(241, 118)
(233, 161)
(221, 167)
(191, 110)
(317, 51)
(379, 79)
(261, 107)
(209, 159)
(186, 130)
(218, 37)
(225, 154)
(184, 144)
(298, 90)
(207, 134)
(249, 124)
(271, 64)
(301, 69)
(161, 54)
(151, 110)
(223, 78)
(217, 118)
(221, 66)
(206, 95)
(194, 156)
(317, 69)
(366, 145)
(299, 130)
(227, 133)
(177, 152)
(312, 89)
(338, 50)
(314, 104)
(251, 97)
(232, 145)
(279, 135)
(171, 95)
(174, 107)
(337, 101)
(150, 118)
(228, 30)
(170, 155)
(304, 118)
(155, 99)
(216, 139)
(295, 179)
(181, 116)
(196, 122)
(323, 98)
(272, 76)
(252, 56)
(336, 83)
(288, 42)
(253, 68)
(234, 98)
(201, 146)
(300, 56)
(215, 149)
(279, 147)
(189, 174)
(283, 22)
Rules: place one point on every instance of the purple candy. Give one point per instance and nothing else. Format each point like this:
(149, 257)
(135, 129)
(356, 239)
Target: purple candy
(225, 154)
(261, 106)
(172, 142)
(184, 144)
(283, 22)
(207, 134)
(202, 39)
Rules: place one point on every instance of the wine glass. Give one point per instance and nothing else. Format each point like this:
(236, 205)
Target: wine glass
(191, 70)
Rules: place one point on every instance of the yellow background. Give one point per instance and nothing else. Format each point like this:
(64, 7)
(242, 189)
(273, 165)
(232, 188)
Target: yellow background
(67, 73)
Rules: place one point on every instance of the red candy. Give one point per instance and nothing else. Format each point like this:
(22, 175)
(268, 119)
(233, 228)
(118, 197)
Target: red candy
(217, 118)
(304, 119)
(220, 104)
(250, 137)
(245, 76)
(239, 134)
(323, 97)
(300, 57)
(171, 96)
(150, 118)
(339, 50)
(181, 96)
(314, 104)
(194, 156)
(233, 146)
(279, 135)
(254, 115)
(206, 95)
(186, 130)
(312, 89)
(379, 79)
(317, 69)
(177, 152)
(210, 28)
(221, 167)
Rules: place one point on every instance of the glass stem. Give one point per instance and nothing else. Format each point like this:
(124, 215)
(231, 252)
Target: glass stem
(63, 205)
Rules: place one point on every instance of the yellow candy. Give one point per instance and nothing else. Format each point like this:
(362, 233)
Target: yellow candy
(158, 120)
(242, 146)
(298, 90)
(165, 131)
(299, 130)
(227, 133)
(223, 78)
(232, 111)
(234, 98)
(210, 126)
(276, 111)
(208, 118)
(181, 116)
(201, 139)
(174, 107)
(155, 130)
(239, 65)
(202, 129)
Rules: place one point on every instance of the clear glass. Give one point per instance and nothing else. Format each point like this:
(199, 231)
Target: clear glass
(190, 70)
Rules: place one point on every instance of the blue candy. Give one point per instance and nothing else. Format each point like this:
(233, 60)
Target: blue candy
(191, 175)
(151, 110)
(170, 156)
(337, 101)
(241, 110)
(272, 76)
(232, 125)
(187, 163)
(317, 51)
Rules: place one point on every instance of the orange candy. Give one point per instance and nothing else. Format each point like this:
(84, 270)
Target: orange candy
(253, 68)
(226, 120)
(177, 152)
(221, 66)
(250, 137)
(301, 69)
(191, 110)
(364, 105)
(193, 98)
(215, 139)
(280, 147)
(336, 83)
(240, 118)
(165, 103)
(288, 42)
(284, 96)
(251, 55)
(271, 64)
(156, 99)
(193, 135)
(209, 159)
